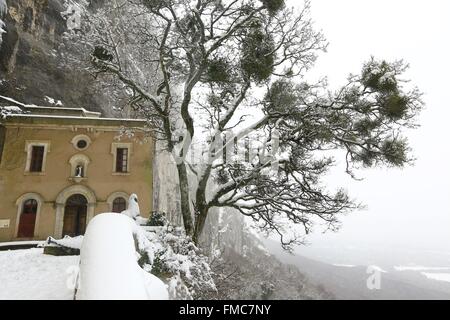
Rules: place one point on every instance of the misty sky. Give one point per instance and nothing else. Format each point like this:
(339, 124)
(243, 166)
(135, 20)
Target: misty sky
(411, 206)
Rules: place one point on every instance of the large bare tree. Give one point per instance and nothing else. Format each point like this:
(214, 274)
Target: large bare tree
(232, 59)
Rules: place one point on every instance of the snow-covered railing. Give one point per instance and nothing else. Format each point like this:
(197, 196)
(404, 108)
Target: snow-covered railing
(108, 262)
(13, 107)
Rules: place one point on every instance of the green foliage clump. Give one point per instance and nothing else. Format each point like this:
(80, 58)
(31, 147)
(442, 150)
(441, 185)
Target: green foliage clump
(366, 157)
(379, 76)
(353, 98)
(144, 258)
(392, 152)
(222, 177)
(257, 55)
(381, 79)
(365, 126)
(281, 97)
(273, 6)
(157, 219)
(217, 71)
(160, 268)
(394, 106)
(395, 152)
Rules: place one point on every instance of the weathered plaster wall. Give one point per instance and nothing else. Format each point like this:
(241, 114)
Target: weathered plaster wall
(14, 182)
(31, 66)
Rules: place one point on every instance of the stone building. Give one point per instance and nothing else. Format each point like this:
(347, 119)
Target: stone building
(61, 166)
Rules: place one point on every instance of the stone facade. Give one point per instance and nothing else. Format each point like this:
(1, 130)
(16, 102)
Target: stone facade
(70, 169)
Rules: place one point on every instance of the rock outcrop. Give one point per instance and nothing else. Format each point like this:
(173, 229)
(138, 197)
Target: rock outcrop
(31, 67)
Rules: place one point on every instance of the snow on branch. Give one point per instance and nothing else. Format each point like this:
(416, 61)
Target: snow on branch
(204, 67)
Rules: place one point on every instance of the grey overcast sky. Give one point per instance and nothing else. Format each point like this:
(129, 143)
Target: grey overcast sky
(411, 206)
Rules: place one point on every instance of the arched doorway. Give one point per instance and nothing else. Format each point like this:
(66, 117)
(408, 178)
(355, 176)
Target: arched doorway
(75, 215)
(62, 200)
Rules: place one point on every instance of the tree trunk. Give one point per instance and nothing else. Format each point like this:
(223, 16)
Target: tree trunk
(200, 220)
(184, 195)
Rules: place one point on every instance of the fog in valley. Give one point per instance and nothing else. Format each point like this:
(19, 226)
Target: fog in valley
(407, 219)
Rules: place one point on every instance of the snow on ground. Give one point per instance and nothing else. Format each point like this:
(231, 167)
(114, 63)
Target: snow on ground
(30, 274)
(437, 276)
(108, 269)
(343, 265)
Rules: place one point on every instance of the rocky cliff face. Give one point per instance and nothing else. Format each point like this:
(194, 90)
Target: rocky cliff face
(31, 67)
(165, 186)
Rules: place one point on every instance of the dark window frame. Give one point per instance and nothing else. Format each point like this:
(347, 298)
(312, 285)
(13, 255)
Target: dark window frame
(122, 160)
(84, 144)
(119, 204)
(37, 158)
(30, 206)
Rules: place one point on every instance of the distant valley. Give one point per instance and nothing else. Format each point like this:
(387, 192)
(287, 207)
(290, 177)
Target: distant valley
(349, 281)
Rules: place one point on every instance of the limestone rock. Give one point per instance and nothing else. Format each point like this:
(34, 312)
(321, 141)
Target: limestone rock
(31, 67)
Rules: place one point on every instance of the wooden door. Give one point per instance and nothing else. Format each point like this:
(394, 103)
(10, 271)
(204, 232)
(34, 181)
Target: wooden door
(27, 220)
(75, 214)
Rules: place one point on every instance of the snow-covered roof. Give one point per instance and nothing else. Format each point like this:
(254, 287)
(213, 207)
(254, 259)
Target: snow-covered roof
(27, 115)
(58, 110)
(70, 121)
(44, 115)
(32, 109)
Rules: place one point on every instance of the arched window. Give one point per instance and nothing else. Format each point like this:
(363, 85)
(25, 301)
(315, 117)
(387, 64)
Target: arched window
(27, 220)
(119, 204)
(117, 201)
